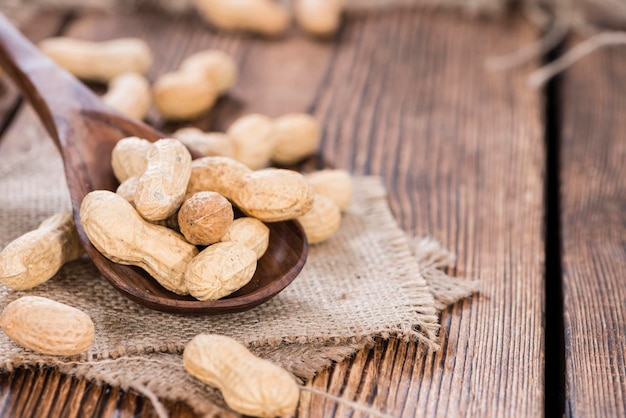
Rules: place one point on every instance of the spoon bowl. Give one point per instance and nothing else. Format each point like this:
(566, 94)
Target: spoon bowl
(85, 130)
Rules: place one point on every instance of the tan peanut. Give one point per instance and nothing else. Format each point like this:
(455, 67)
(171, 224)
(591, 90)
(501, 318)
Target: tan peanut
(219, 270)
(321, 221)
(99, 61)
(47, 326)
(250, 232)
(209, 144)
(318, 17)
(217, 174)
(128, 158)
(193, 89)
(250, 385)
(183, 96)
(266, 17)
(270, 195)
(332, 183)
(38, 255)
(116, 229)
(297, 136)
(163, 184)
(205, 217)
(130, 94)
(215, 65)
(254, 140)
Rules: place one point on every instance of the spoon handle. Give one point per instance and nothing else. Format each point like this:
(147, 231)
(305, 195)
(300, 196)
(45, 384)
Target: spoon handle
(51, 90)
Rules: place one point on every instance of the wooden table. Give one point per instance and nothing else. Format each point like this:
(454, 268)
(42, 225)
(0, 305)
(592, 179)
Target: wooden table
(527, 188)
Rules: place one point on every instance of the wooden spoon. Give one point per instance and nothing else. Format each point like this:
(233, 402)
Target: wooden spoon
(85, 130)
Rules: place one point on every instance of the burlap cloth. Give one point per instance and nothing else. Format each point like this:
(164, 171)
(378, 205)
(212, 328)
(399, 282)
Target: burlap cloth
(362, 284)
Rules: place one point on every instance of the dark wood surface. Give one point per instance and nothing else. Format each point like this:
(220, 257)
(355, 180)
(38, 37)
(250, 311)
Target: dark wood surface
(462, 151)
(593, 189)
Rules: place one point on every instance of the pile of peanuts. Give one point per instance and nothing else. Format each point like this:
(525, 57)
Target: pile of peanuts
(180, 214)
(175, 217)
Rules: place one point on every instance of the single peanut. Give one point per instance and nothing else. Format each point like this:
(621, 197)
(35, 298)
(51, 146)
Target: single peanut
(318, 17)
(116, 229)
(254, 140)
(286, 140)
(273, 195)
(183, 96)
(194, 88)
(163, 184)
(332, 183)
(209, 144)
(249, 384)
(38, 255)
(47, 326)
(217, 174)
(99, 61)
(220, 270)
(321, 221)
(297, 135)
(265, 17)
(270, 195)
(128, 158)
(205, 217)
(250, 232)
(130, 94)
(216, 65)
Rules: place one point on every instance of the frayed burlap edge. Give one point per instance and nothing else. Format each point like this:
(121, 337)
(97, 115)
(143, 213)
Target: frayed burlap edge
(432, 257)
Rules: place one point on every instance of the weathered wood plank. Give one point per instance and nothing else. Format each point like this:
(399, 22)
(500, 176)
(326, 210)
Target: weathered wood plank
(593, 223)
(461, 151)
(404, 95)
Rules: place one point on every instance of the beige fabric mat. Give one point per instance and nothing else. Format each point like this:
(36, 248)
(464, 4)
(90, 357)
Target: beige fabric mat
(362, 284)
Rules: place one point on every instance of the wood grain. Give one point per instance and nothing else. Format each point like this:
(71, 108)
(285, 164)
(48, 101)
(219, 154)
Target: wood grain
(461, 151)
(403, 95)
(593, 223)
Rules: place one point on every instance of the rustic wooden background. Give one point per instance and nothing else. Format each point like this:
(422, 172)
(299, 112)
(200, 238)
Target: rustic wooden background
(526, 186)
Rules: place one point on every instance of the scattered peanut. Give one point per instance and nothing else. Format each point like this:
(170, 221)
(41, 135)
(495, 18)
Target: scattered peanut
(129, 157)
(205, 217)
(216, 65)
(336, 184)
(318, 17)
(130, 94)
(47, 327)
(99, 61)
(194, 88)
(321, 221)
(250, 385)
(183, 96)
(266, 17)
(37, 256)
(286, 140)
(297, 135)
(251, 232)
(209, 144)
(116, 229)
(220, 270)
(254, 140)
(270, 195)
(163, 184)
